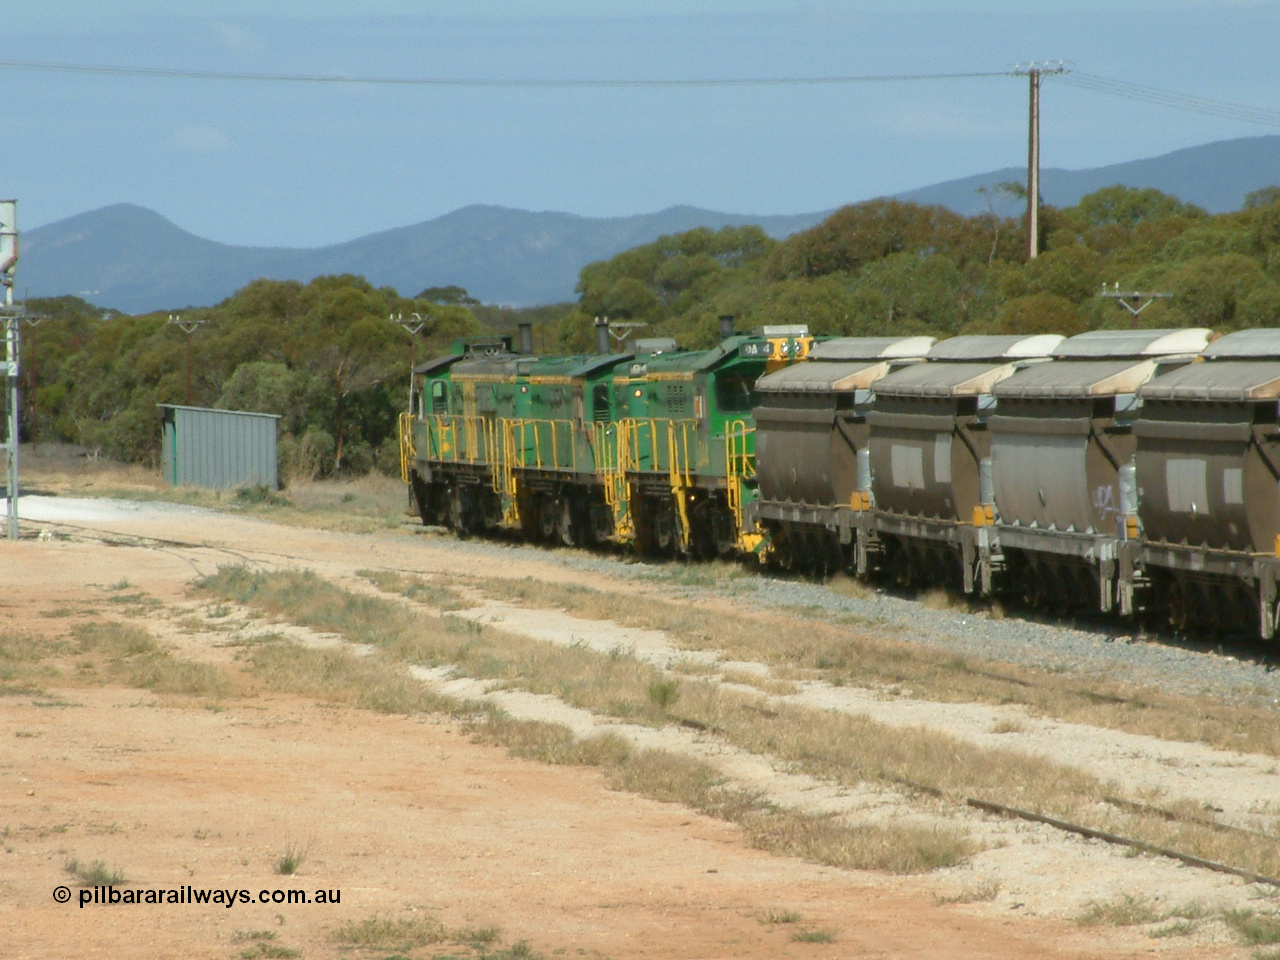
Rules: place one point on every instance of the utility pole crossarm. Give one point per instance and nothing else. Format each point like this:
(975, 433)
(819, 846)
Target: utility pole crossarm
(1135, 301)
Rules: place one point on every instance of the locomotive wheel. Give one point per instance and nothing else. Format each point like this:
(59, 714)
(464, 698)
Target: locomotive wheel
(460, 518)
(664, 531)
(601, 522)
(723, 532)
(547, 518)
(565, 525)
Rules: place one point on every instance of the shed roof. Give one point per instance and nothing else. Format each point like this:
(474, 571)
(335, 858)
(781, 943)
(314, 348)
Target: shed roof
(1231, 380)
(1077, 378)
(1134, 343)
(230, 413)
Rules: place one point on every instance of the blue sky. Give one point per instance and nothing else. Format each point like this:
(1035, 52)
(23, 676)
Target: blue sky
(294, 165)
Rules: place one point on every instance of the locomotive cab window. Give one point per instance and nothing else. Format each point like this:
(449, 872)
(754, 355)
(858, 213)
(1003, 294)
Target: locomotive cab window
(734, 395)
(439, 402)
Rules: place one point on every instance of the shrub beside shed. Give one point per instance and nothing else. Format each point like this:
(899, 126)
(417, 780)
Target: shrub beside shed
(218, 449)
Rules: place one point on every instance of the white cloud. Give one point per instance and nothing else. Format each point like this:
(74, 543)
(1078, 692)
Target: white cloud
(190, 139)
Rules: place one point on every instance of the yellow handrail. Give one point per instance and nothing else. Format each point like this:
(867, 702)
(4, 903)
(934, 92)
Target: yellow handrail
(680, 473)
(408, 452)
(740, 465)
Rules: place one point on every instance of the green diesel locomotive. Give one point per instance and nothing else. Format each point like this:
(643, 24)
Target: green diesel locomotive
(653, 448)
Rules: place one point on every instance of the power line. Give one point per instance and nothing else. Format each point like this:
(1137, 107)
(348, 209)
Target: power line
(317, 78)
(1085, 81)
(1168, 98)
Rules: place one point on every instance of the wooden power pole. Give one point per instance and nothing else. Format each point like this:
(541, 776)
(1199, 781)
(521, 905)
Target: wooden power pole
(1034, 71)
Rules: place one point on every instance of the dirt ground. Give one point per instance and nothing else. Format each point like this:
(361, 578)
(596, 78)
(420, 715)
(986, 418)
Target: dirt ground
(406, 816)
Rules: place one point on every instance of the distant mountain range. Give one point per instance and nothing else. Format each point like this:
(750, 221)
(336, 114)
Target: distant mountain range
(132, 259)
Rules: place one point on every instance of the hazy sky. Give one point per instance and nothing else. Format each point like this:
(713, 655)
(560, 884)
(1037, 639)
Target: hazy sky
(303, 165)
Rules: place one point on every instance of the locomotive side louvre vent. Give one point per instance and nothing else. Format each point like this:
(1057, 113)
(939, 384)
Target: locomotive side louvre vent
(677, 398)
(1185, 481)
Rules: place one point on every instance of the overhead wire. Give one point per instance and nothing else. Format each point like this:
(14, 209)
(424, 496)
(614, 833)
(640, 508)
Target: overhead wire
(513, 82)
(1124, 89)
(1167, 98)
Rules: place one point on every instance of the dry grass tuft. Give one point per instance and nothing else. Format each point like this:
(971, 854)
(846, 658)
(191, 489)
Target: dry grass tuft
(848, 586)
(1253, 928)
(292, 859)
(936, 598)
(1126, 910)
(95, 874)
(372, 682)
(828, 840)
(983, 892)
(129, 654)
(434, 594)
(387, 933)
(813, 936)
(894, 848)
(781, 915)
(1008, 725)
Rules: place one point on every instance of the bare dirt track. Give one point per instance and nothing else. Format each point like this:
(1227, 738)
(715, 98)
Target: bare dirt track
(406, 815)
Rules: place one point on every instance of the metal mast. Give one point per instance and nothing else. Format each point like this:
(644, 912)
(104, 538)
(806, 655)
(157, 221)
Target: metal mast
(12, 326)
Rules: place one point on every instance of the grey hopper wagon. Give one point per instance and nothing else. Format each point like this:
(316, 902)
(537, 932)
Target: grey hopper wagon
(811, 445)
(1208, 476)
(929, 448)
(1062, 450)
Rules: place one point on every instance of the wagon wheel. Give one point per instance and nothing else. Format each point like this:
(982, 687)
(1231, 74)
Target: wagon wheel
(901, 569)
(1031, 583)
(1178, 606)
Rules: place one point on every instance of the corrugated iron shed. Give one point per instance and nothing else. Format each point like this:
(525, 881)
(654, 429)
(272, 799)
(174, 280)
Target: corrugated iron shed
(218, 449)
